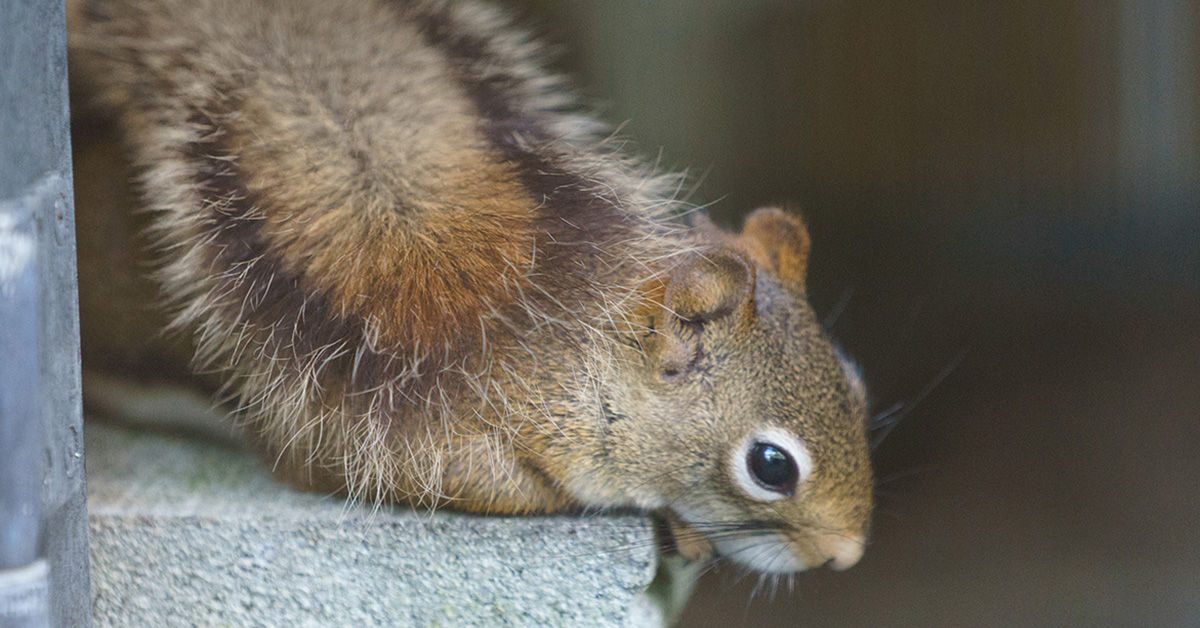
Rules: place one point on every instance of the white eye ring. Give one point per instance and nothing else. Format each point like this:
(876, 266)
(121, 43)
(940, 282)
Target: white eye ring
(790, 445)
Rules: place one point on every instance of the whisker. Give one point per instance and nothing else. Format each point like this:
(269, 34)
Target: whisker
(883, 417)
(834, 314)
(904, 474)
(762, 577)
(941, 376)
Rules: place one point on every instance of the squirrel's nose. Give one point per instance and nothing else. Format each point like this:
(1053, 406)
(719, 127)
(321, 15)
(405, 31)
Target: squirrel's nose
(841, 550)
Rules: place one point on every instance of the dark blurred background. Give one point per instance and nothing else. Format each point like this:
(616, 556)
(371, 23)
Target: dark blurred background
(1014, 182)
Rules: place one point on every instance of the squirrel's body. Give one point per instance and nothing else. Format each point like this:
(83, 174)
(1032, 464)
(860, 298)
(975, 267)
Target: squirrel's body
(423, 280)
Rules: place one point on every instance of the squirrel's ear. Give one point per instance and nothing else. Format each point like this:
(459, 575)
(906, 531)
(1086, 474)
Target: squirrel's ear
(777, 241)
(712, 284)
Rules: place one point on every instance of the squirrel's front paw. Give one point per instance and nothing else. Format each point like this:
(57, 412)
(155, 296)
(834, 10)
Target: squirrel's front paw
(685, 540)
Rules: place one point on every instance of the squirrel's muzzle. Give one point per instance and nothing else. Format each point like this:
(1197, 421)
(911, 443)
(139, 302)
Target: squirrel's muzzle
(840, 551)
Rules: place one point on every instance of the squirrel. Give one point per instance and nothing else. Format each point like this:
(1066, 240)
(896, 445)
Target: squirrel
(384, 230)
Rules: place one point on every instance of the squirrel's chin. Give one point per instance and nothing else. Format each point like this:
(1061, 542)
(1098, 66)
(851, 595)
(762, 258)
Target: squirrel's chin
(767, 552)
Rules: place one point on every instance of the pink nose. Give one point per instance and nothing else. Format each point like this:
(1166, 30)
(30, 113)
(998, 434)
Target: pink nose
(842, 550)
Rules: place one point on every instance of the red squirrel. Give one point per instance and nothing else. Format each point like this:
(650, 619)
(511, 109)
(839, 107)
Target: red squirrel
(424, 279)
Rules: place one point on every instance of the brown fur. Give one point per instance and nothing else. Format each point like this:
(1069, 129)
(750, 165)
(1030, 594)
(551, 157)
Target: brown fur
(424, 281)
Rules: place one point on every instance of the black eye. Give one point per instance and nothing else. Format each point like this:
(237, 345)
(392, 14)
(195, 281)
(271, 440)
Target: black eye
(773, 468)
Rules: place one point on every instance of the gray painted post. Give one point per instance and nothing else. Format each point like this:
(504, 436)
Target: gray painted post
(23, 589)
(43, 518)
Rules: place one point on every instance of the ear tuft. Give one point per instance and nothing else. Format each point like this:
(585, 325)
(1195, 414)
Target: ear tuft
(712, 284)
(778, 241)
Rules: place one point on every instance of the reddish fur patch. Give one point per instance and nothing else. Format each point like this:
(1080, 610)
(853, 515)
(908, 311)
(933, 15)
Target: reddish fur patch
(423, 272)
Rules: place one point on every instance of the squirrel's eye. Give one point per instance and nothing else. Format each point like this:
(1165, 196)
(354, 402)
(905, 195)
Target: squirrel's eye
(773, 468)
(770, 465)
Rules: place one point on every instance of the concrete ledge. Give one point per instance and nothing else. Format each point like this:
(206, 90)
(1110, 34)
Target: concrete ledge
(193, 534)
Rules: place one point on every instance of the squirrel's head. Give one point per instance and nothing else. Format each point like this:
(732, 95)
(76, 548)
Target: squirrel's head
(733, 410)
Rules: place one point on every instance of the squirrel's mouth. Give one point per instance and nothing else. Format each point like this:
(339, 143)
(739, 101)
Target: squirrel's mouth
(779, 552)
(767, 552)
(763, 549)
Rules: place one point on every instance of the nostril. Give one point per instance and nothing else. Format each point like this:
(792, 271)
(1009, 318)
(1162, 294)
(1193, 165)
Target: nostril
(843, 551)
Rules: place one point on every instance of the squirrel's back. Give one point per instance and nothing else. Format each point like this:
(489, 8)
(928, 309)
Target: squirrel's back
(366, 211)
